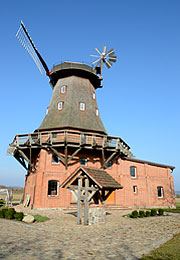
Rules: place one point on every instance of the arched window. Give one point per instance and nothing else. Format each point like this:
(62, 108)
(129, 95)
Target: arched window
(133, 171)
(160, 192)
(53, 188)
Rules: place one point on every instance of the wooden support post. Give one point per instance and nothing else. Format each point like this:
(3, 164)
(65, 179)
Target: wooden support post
(76, 152)
(25, 157)
(58, 154)
(79, 213)
(86, 203)
(20, 160)
(103, 159)
(66, 156)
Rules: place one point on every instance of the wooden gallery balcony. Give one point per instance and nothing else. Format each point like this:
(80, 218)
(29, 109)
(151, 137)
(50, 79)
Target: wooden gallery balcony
(65, 139)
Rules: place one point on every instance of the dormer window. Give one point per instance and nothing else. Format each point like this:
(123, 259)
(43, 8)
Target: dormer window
(60, 105)
(82, 106)
(63, 89)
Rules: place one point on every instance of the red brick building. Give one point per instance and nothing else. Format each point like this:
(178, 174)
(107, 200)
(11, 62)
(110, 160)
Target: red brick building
(72, 134)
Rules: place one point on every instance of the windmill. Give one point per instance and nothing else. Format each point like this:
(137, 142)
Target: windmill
(71, 133)
(106, 57)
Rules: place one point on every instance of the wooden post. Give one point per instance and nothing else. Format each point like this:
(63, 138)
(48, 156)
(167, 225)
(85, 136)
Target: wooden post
(66, 156)
(79, 215)
(103, 159)
(86, 203)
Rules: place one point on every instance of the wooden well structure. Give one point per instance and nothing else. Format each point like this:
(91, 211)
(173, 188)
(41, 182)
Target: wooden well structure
(90, 186)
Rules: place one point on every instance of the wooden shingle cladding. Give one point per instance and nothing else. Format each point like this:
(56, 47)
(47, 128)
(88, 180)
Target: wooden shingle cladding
(99, 177)
(79, 91)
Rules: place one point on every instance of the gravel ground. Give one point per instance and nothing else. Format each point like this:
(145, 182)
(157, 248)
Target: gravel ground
(61, 238)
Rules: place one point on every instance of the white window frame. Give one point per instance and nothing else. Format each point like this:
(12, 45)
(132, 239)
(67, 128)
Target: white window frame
(82, 106)
(161, 190)
(63, 89)
(57, 188)
(97, 112)
(135, 171)
(135, 189)
(94, 95)
(60, 105)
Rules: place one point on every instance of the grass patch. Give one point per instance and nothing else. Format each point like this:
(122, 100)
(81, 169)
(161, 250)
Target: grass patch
(168, 251)
(39, 218)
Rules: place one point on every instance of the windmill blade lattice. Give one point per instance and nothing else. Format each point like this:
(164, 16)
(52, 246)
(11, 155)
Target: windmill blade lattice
(105, 56)
(26, 41)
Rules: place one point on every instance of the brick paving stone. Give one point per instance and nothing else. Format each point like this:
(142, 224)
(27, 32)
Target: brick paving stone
(60, 237)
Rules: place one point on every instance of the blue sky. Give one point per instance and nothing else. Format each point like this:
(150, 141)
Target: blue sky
(139, 100)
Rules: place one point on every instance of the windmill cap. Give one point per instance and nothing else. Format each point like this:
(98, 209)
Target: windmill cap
(66, 69)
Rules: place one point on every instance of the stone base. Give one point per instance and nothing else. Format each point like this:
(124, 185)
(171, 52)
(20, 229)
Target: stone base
(97, 215)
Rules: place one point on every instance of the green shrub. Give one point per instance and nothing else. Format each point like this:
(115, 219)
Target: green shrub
(19, 216)
(4, 211)
(134, 214)
(9, 214)
(153, 212)
(148, 213)
(1, 214)
(141, 214)
(161, 212)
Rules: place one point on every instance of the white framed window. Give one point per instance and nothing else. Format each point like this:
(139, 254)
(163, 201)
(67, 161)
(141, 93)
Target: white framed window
(83, 161)
(133, 172)
(55, 159)
(63, 89)
(94, 95)
(82, 106)
(47, 110)
(60, 105)
(135, 189)
(160, 192)
(53, 188)
(97, 112)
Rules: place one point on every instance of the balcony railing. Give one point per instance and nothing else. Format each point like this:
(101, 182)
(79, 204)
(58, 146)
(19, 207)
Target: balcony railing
(71, 138)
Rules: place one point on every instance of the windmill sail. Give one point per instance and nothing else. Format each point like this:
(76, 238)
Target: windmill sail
(106, 57)
(26, 41)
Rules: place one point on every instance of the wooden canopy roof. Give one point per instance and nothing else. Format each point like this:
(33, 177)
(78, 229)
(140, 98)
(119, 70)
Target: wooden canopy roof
(99, 177)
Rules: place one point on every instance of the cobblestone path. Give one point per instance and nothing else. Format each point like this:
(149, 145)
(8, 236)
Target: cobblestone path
(61, 238)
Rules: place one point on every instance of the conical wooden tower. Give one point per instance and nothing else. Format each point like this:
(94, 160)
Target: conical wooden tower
(73, 104)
